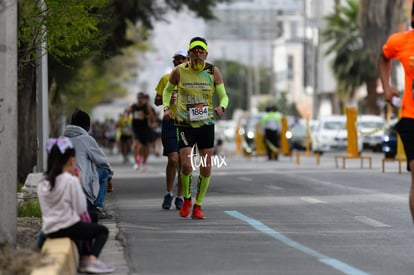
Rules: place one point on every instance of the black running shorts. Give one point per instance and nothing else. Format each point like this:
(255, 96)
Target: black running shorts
(405, 128)
(202, 136)
(169, 137)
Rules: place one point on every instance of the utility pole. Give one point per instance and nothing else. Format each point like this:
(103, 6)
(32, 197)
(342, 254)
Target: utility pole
(316, 48)
(8, 120)
(42, 99)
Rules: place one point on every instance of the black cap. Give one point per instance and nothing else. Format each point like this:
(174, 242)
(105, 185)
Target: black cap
(141, 94)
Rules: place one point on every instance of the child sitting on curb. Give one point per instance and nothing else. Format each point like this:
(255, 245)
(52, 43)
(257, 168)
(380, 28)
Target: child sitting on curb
(62, 202)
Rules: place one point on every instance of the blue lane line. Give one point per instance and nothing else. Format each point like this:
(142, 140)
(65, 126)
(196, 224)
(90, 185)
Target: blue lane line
(336, 264)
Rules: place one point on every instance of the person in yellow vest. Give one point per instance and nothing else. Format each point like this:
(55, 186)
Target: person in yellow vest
(271, 127)
(169, 138)
(124, 136)
(196, 82)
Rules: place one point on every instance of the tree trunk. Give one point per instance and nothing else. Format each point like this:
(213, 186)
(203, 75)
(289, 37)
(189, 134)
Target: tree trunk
(27, 143)
(371, 101)
(378, 20)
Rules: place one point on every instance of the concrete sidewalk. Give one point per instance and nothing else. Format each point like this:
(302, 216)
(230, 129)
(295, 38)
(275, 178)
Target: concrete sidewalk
(113, 252)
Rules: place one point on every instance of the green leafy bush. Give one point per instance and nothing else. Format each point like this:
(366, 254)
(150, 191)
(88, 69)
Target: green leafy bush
(30, 208)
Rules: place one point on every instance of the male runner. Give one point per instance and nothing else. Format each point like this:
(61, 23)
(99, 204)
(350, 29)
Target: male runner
(169, 138)
(401, 46)
(142, 116)
(196, 83)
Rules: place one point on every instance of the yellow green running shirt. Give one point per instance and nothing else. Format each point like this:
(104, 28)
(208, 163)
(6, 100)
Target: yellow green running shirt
(160, 88)
(195, 96)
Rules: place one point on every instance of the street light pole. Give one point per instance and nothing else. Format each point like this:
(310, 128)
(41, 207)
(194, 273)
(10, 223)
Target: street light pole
(42, 99)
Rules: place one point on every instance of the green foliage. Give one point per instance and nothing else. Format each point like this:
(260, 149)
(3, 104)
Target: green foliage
(30, 208)
(282, 105)
(82, 36)
(236, 76)
(95, 83)
(235, 80)
(20, 186)
(72, 26)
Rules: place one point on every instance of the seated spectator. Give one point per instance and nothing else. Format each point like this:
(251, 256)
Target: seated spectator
(92, 162)
(62, 202)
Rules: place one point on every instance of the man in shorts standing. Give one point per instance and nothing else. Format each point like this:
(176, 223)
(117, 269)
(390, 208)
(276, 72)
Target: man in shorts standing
(169, 138)
(401, 46)
(196, 82)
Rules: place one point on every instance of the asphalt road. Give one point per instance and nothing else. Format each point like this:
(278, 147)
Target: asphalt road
(271, 218)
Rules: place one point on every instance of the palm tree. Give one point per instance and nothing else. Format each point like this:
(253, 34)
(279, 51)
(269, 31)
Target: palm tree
(356, 32)
(351, 64)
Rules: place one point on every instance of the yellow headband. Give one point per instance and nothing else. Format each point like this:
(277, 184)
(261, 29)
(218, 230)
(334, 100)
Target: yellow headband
(199, 44)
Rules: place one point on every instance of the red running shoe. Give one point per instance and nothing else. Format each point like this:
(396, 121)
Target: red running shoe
(197, 212)
(185, 209)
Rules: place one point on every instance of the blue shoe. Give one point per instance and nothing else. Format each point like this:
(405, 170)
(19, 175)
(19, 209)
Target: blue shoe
(178, 203)
(166, 204)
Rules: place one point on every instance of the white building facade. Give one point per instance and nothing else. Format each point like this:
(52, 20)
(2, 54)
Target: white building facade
(282, 36)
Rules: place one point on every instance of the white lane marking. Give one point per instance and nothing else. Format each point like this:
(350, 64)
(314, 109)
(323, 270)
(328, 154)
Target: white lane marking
(245, 179)
(311, 200)
(371, 222)
(334, 263)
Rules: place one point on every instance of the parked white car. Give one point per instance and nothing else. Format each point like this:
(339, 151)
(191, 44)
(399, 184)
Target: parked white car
(371, 128)
(331, 135)
(225, 130)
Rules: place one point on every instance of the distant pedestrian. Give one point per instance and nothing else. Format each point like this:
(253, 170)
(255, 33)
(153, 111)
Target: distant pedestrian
(271, 125)
(62, 202)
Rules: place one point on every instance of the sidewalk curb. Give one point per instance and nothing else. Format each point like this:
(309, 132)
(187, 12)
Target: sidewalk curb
(114, 249)
(63, 255)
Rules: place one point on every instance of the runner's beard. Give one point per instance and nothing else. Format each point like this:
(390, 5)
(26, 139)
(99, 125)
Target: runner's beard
(197, 66)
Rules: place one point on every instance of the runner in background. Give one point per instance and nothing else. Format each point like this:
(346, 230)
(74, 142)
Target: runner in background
(124, 136)
(142, 115)
(169, 139)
